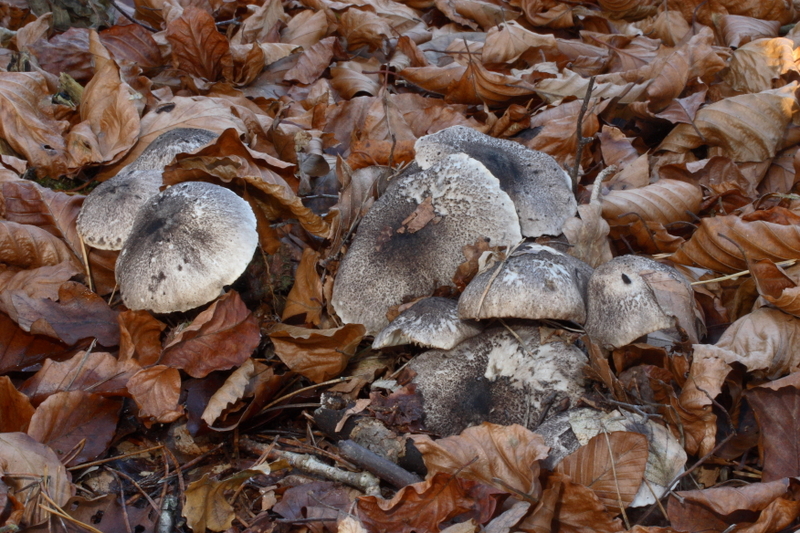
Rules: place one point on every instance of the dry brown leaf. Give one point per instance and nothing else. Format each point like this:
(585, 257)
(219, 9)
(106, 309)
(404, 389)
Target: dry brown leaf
(611, 464)
(777, 409)
(317, 354)
(20, 458)
(232, 391)
(207, 504)
(717, 508)
(306, 28)
(487, 453)
(432, 78)
(749, 127)
(67, 420)
(28, 246)
(248, 62)
(349, 79)
(109, 124)
(570, 83)
(65, 52)
(506, 42)
(99, 372)
(557, 136)
(683, 110)
(478, 85)
(221, 337)
(17, 409)
(156, 391)
(140, 337)
(257, 27)
(132, 43)
(759, 240)
(695, 402)
(28, 123)
(588, 233)
(364, 28)
(766, 342)
(738, 30)
(306, 298)
(755, 65)
(665, 201)
(313, 62)
(197, 47)
(423, 506)
(567, 506)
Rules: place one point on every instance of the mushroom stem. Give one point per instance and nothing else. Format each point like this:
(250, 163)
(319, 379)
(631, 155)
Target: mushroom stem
(86, 263)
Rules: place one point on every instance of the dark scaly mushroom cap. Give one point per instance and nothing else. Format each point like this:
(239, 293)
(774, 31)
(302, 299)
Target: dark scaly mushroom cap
(186, 244)
(431, 322)
(538, 186)
(456, 202)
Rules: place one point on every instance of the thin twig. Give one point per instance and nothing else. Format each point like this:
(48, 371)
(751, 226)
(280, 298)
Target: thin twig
(582, 141)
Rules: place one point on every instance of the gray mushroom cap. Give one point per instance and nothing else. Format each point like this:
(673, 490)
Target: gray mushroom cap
(538, 186)
(536, 282)
(493, 378)
(108, 213)
(631, 296)
(431, 322)
(390, 260)
(186, 244)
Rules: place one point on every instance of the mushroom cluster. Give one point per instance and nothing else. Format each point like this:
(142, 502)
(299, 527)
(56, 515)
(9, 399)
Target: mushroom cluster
(496, 353)
(180, 247)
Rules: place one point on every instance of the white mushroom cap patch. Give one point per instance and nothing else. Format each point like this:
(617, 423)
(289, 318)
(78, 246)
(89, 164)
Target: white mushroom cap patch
(410, 242)
(108, 213)
(186, 244)
(431, 322)
(536, 282)
(631, 296)
(494, 378)
(540, 189)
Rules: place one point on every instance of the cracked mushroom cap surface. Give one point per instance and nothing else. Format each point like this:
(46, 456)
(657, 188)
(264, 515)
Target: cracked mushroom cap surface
(410, 242)
(186, 244)
(631, 296)
(493, 378)
(536, 282)
(431, 322)
(540, 189)
(120, 198)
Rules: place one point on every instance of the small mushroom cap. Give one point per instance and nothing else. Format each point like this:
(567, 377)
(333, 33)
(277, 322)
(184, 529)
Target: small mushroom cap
(538, 186)
(631, 296)
(492, 378)
(186, 244)
(166, 146)
(431, 322)
(108, 213)
(391, 259)
(536, 282)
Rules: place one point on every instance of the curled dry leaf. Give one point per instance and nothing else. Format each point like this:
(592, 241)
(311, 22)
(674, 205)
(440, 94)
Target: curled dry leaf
(759, 239)
(423, 506)
(313, 62)
(611, 464)
(363, 28)
(28, 246)
(132, 43)
(207, 505)
(317, 354)
(197, 47)
(306, 298)
(99, 372)
(156, 391)
(306, 28)
(777, 409)
(766, 342)
(29, 125)
(664, 202)
(749, 127)
(776, 286)
(487, 453)
(231, 391)
(66, 421)
(109, 124)
(140, 337)
(717, 508)
(17, 409)
(21, 456)
(478, 85)
(506, 42)
(756, 64)
(221, 337)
